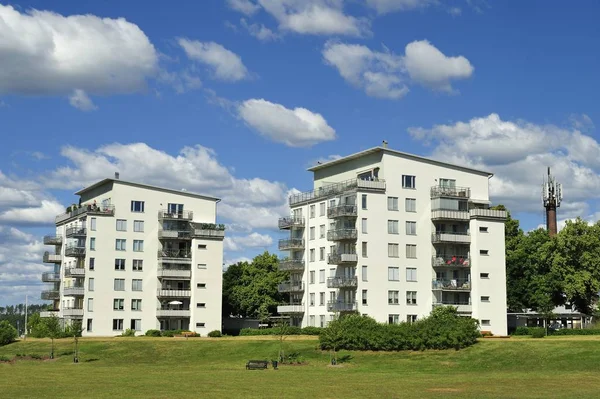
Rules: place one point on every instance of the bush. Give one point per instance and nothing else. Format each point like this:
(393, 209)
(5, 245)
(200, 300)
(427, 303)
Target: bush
(170, 333)
(4, 359)
(537, 332)
(153, 333)
(573, 331)
(8, 333)
(288, 330)
(522, 331)
(214, 334)
(128, 333)
(312, 330)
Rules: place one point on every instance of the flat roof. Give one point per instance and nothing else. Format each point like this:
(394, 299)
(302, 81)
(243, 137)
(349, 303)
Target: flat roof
(399, 153)
(129, 183)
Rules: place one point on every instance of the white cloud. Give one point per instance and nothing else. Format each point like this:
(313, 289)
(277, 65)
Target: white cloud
(386, 6)
(42, 214)
(246, 7)
(225, 64)
(254, 240)
(454, 11)
(45, 53)
(326, 159)
(232, 261)
(260, 32)
(582, 122)
(80, 100)
(298, 127)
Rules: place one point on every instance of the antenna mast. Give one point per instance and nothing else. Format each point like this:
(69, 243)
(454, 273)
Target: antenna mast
(552, 197)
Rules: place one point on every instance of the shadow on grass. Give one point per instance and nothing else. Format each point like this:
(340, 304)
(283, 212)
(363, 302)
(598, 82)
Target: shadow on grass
(344, 359)
(91, 360)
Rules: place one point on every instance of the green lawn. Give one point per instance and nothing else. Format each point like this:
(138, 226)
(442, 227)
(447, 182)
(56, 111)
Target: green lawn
(201, 367)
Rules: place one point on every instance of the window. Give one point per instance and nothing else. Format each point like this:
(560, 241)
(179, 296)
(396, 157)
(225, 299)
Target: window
(392, 203)
(119, 284)
(201, 265)
(137, 206)
(201, 246)
(364, 249)
(483, 229)
(485, 299)
(89, 324)
(136, 324)
(201, 285)
(411, 251)
(312, 299)
(447, 182)
(408, 181)
(312, 255)
(92, 243)
(411, 297)
(119, 304)
(138, 245)
(201, 305)
(364, 297)
(136, 304)
(312, 211)
(393, 273)
(364, 226)
(92, 263)
(322, 276)
(393, 250)
(322, 299)
(392, 227)
(120, 264)
(93, 224)
(393, 298)
(311, 321)
(394, 319)
(364, 201)
(322, 209)
(322, 253)
(175, 209)
(322, 231)
(138, 265)
(312, 277)
(90, 307)
(332, 272)
(121, 225)
(331, 296)
(120, 244)
(483, 252)
(322, 320)
(136, 285)
(411, 228)
(138, 226)
(117, 324)
(410, 205)
(331, 203)
(484, 275)
(411, 318)
(411, 274)
(364, 273)
(199, 325)
(90, 284)
(312, 233)
(485, 322)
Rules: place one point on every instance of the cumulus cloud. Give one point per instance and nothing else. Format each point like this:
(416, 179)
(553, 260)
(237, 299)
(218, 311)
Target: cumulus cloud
(246, 7)
(254, 240)
(260, 31)
(224, 64)
(387, 6)
(80, 100)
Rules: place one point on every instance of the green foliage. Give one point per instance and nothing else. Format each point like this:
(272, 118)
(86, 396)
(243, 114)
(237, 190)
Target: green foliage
(153, 333)
(577, 331)
(521, 331)
(214, 334)
(443, 329)
(5, 359)
(128, 333)
(537, 332)
(287, 330)
(8, 333)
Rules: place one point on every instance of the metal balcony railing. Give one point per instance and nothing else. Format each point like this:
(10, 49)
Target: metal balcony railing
(451, 285)
(445, 214)
(461, 306)
(74, 291)
(289, 222)
(75, 251)
(50, 277)
(181, 254)
(342, 282)
(451, 261)
(75, 272)
(183, 215)
(291, 243)
(451, 237)
(342, 211)
(452, 192)
(52, 258)
(295, 286)
(488, 214)
(342, 234)
(175, 234)
(174, 272)
(337, 188)
(173, 312)
(106, 210)
(217, 233)
(296, 307)
(335, 306)
(337, 259)
(73, 312)
(50, 295)
(290, 265)
(76, 231)
(52, 240)
(173, 293)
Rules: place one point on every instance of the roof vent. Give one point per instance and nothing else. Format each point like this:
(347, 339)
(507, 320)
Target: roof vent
(385, 143)
(116, 175)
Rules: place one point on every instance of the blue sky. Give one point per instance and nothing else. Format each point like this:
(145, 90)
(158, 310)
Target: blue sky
(236, 98)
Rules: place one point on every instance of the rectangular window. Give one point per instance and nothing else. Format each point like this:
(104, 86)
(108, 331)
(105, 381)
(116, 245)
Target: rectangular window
(201, 305)
(92, 243)
(332, 272)
(331, 203)
(485, 299)
(364, 226)
(322, 253)
(137, 206)
(322, 276)
(201, 265)
(138, 265)
(312, 233)
(136, 304)
(393, 227)
(119, 284)
(312, 299)
(201, 246)
(117, 324)
(120, 264)
(411, 274)
(364, 249)
(321, 299)
(121, 225)
(136, 285)
(392, 203)
(322, 209)
(410, 205)
(312, 211)
(483, 229)
(411, 297)
(136, 324)
(138, 226)
(364, 201)
(331, 296)
(200, 325)
(411, 228)
(485, 322)
(393, 298)
(364, 297)
(311, 321)
(484, 275)
(89, 324)
(92, 263)
(408, 181)
(138, 245)
(411, 318)
(411, 251)
(483, 252)
(93, 224)
(120, 244)
(393, 319)
(364, 273)
(322, 231)
(119, 304)
(312, 277)
(450, 183)
(393, 273)
(393, 250)
(201, 285)
(91, 284)
(322, 320)
(312, 255)
(90, 307)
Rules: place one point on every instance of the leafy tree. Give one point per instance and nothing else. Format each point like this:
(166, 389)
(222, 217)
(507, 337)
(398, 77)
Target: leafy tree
(53, 330)
(231, 278)
(8, 333)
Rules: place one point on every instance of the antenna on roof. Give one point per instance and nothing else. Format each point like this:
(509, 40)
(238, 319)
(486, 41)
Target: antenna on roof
(385, 143)
(117, 175)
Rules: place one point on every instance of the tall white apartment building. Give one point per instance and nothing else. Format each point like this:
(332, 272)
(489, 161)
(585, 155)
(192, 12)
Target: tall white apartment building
(137, 256)
(393, 235)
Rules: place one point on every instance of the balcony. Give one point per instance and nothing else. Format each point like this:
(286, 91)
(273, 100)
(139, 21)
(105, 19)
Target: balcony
(488, 214)
(74, 291)
(174, 272)
(451, 261)
(175, 234)
(209, 230)
(291, 265)
(291, 308)
(295, 286)
(75, 272)
(342, 282)
(75, 251)
(173, 313)
(76, 231)
(182, 215)
(451, 238)
(52, 258)
(451, 285)
(172, 293)
(291, 244)
(342, 234)
(49, 313)
(50, 277)
(461, 307)
(73, 312)
(335, 306)
(290, 222)
(52, 240)
(337, 188)
(450, 192)
(50, 295)
(175, 256)
(444, 214)
(90, 209)
(338, 259)
(342, 211)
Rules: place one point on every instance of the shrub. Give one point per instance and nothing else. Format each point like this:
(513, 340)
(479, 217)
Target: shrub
(128, 333)
(537, 332)
(312, 330)
(8, 333)
(573, 331)
(152, 333)
(214, 334)
(288, 330)
(522, 331)
(4, 359)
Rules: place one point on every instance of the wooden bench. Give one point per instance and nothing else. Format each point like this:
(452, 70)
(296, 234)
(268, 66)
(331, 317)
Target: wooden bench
(256, 364)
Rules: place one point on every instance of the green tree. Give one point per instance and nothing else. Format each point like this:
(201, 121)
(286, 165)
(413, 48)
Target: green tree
(8, 333)
(53, 330)
(231, 278)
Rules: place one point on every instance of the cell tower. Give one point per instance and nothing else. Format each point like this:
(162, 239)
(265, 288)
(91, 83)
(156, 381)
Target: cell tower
(552, 197)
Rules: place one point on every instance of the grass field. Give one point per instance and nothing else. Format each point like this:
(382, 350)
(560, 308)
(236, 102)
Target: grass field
(201, 367)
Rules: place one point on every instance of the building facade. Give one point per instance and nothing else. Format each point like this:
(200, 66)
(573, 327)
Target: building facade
(393, 235)
(133, 256)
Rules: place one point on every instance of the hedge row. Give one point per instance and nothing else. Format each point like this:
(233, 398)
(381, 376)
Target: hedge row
(170, 333)
(535, 331)
(288, 330)
(443, 329)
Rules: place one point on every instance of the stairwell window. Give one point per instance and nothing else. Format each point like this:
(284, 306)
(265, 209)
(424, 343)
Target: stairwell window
(90, 305)
(364, 201)
(312, 299)
(312, 233)
(91, 284)
(364, 297)
(312, 211)
(364, 249)
(364, 273)
(364, 225)
(92, 243)
(312, 255)
(92, 263)
(408, 181)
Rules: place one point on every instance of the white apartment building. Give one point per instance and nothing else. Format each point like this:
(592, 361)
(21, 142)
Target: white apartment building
(137, 256)
(392, 235)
